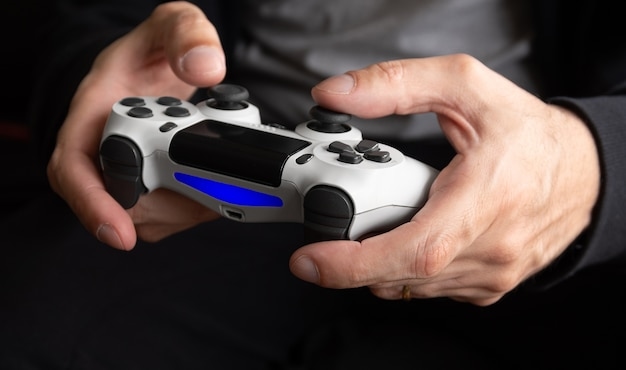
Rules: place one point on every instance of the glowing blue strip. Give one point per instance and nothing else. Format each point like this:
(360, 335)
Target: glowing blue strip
(229, 193)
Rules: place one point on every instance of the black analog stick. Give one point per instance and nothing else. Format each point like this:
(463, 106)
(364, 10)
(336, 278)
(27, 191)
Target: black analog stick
(328, 121)
(228, 97)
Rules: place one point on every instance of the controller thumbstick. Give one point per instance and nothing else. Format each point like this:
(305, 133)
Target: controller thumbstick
(228, 97)
(328, 121)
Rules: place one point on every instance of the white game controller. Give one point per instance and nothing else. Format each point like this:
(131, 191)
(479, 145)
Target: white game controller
(219, 153)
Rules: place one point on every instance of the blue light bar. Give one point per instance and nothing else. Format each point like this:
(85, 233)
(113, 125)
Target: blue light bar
(229, 193)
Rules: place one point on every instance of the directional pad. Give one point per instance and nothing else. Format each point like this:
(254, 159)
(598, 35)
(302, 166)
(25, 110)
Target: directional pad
(370, 150)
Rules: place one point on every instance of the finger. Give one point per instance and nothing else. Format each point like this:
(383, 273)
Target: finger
(191, 43)
(176, 43)
(74, 174)
(407, 292)
(351, 264)
(457, 87)
(178, 34)
(109, 222)
(164, 212)
(471, 280)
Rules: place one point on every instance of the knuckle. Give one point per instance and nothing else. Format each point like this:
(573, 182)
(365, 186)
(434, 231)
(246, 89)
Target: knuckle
(179, 15)
(435, 257)
(393, 70)
(467, 67)
(507, 251)
(503, 284)
(163, 10)
(172, 7)
(384, 293)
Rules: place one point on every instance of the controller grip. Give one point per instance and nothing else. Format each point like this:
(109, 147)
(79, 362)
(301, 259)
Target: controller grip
(121, 162)
(328, 213)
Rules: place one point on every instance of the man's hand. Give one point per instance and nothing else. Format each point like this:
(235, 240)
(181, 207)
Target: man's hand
(171, 53)
(520, 189)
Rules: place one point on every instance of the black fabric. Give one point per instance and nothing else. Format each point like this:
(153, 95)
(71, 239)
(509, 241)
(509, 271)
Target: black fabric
(221, 297)
(218, 296)
(578, 48)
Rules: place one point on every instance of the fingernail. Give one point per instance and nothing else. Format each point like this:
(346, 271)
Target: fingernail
(305, 269)
(202, 60)
(341, 84)
(108, 235)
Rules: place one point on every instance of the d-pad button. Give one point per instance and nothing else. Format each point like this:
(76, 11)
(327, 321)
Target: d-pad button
(339, 147)
(380, 156)
(350, 157)
(365, 146)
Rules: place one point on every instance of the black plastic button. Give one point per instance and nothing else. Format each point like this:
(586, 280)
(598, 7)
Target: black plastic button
(169, 101)
(177, 112)
(366, 146)
(350, 157)
(304, 158)
(140, 112)
(339, 147)
(133, 102)
(167, 126)
(380, 156)
(328, 213)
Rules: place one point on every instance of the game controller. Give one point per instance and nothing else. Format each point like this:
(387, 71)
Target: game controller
(323, 174)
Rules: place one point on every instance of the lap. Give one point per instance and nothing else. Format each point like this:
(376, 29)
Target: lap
(221, 296)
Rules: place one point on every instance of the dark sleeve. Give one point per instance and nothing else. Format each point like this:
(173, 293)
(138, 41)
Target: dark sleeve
(580, 53)
(76, 33)
(603, 244)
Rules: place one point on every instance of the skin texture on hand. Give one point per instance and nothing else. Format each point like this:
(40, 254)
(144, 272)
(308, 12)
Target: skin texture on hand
(520, 189)
(171, 53)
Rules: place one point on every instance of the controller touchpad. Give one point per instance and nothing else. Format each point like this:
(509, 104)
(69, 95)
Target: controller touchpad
(236, 151)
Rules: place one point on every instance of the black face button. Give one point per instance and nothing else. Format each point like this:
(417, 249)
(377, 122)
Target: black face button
(380, 156)
(169, 101)
(350, 157)
(167, 126)
(339, 147)
(133, 102)
(140, 112)
(366, 146)
(177, 112)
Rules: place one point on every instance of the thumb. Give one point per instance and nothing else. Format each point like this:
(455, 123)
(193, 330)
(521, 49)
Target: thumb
(460, 89)
(189, 40)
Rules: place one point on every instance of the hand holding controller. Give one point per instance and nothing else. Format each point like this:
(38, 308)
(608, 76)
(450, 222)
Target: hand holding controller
(323, 174)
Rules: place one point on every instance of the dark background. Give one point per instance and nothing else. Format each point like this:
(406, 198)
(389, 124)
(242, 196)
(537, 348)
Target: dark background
(22, 25)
